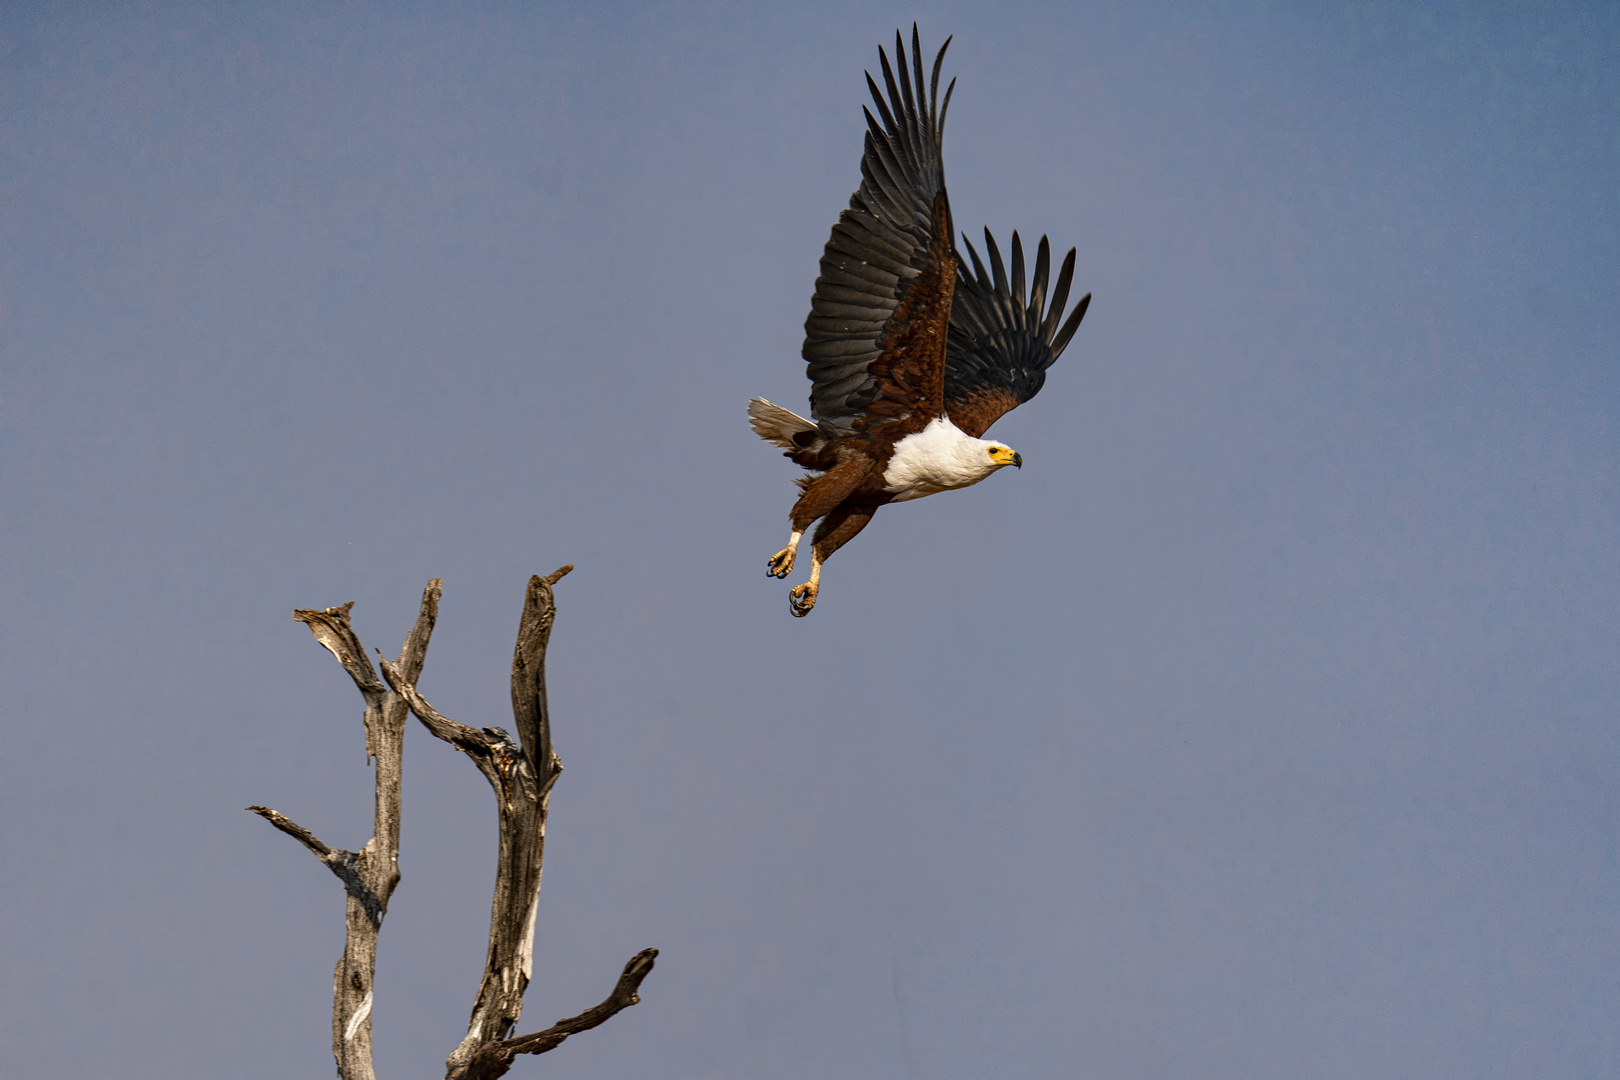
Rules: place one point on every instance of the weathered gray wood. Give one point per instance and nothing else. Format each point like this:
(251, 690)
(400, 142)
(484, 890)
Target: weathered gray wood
(521, 773)
(369, 875)
(493, 1059)
(342, 863)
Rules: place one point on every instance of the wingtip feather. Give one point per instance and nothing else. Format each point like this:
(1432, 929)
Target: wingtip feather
(1061, 342)
(1017, 292)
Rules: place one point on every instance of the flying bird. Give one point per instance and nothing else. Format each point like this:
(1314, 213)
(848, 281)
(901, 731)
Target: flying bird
(911, 355)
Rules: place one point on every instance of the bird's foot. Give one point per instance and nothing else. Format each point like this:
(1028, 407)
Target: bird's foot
(803, 598)
(781, 564)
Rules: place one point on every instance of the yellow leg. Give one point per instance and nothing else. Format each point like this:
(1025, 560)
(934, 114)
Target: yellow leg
(803, 597)
(781, 564)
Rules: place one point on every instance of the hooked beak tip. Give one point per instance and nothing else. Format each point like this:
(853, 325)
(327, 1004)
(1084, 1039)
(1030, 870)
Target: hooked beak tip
(1018, 460)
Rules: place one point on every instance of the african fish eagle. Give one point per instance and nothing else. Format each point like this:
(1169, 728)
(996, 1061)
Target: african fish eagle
(911, 357)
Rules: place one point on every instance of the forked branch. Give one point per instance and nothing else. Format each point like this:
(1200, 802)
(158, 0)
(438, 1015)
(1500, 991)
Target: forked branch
(369, 875)
(521, 772)
(493, 1059)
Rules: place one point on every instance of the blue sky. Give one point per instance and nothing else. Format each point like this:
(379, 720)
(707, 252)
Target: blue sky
(1262, 725)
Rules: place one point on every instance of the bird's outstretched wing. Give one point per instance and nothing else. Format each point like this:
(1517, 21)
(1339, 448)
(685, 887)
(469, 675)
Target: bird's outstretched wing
(882, 302)
(999, 346)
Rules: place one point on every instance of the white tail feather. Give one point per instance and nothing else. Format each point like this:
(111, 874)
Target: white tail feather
(777, 425)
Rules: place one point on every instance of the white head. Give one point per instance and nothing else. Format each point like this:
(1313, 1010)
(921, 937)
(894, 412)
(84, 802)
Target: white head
(1002, 454)
(942, 457)
(979, 458)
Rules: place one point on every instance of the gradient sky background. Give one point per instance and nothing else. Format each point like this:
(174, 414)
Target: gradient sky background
(1262, 726)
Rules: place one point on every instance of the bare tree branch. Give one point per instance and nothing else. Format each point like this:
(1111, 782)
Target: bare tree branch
(529, 709)
(340, 862)
(521, 772)
(492, 1060)
(331, 628)
(294, 830)
(521, 800)
(625, 994)
(414, 652)
(369, 875)
(475, 742)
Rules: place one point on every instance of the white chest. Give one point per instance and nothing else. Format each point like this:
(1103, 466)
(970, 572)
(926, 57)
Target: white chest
(940, 457)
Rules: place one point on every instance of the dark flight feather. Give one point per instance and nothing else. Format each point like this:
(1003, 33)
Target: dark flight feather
(1000, 345)
(861, 349)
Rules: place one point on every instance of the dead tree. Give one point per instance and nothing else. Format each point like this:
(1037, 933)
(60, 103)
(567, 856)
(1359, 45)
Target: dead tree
(521, 773)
